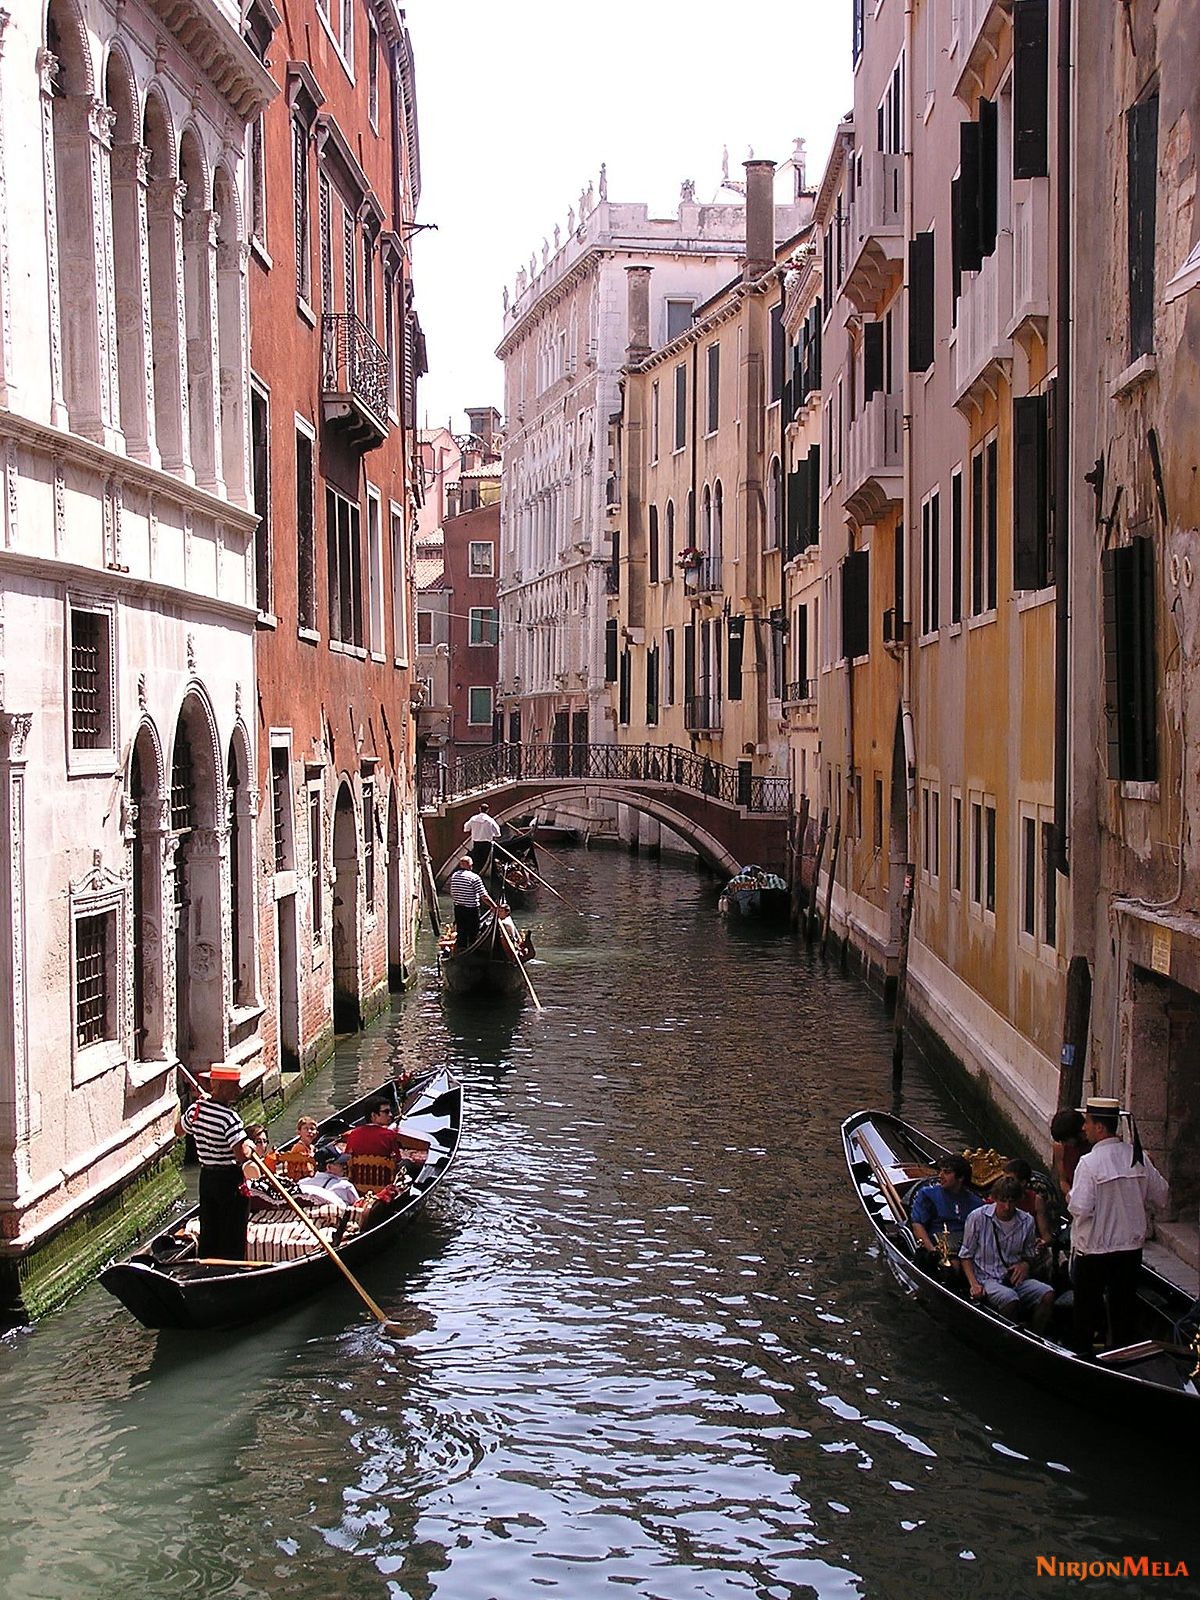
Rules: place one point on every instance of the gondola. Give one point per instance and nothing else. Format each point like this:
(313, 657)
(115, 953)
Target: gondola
(513, 884)
(888, 1160)
(487, 967)
(164, 1286)
(756, 896)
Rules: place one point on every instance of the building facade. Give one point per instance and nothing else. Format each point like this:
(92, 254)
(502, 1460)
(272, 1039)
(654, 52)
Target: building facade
(335, 355)
(127, 597)
(565, 341)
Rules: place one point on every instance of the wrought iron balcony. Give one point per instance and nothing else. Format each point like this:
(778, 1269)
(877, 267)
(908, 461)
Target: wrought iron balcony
(702, 713)
(797, 693)
(355, 379)
(701, 573)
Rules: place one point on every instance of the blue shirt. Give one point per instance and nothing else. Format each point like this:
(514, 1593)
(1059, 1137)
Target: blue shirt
(935, 1208)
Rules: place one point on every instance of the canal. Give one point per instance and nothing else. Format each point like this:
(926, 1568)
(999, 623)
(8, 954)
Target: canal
(648, 1348)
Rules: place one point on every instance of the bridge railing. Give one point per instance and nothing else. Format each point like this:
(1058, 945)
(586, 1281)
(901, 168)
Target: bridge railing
(667, 764)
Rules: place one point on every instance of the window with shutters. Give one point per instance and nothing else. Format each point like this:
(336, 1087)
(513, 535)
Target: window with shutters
(713, 395)
(610, 650)
(368, 828)
(343, 536)
(856, 593)
(931, 562)
(306, 562)
(668, 668)
(654, 418)
(680, 406)
(484, 625)
(257, 185)
(260, 461)
(956, 843)
(281, 807)
(984, 490)
(774, 527)
(982, 856)
(1130, 663)
(931, 833)
(300, 209)
(652, 549)
(667, 569)
(93, 707)
(956, 545)
(1031, 492)
(679, 318)
(856, 30)
(349, 294)
(624, 684)
(652, 686)
(479, 706)
(921, 302)
(1031, 88)
(1029, 875)
(375, 606)
(368, 295)
(1142, 170)
(778, 353)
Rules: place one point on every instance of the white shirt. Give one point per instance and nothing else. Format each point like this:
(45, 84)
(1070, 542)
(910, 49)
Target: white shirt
(328, 1183)
(1109, 1197)
(482, 828)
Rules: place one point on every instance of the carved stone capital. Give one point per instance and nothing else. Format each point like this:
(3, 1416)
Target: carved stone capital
(101, 120)
(207, 841)
(14, 731)
(166, 194)
(46, 66)
(200, 227)
(131, 162)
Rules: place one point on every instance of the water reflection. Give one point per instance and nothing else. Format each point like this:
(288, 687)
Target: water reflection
(648, 1340)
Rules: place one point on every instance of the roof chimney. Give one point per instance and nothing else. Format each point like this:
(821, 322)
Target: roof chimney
(637, 303)
(760, 217)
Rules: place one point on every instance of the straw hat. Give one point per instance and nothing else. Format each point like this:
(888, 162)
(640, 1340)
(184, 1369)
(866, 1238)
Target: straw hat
(225, 1075)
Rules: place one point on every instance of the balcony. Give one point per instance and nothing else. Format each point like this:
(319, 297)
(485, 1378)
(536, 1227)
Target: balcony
(875, 459)
(981, 347)
(802, 690)
(355, 379)
(1031, 259)
(981, 25)
(702, 575)
(876, 231)
(702, 713)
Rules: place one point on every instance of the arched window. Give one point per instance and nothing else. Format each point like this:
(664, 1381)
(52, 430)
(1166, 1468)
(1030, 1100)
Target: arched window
(668, 563)
(198, 290)
(241, 873)
(196, 811)
(718, 520)
(127, 240)
(775, 505)
(164, 231)
(146, 875)
(706, 520)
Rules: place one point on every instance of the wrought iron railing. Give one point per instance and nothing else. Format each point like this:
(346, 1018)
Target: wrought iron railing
(702, 713)
(707, 575)
(802, 689)
(502, 764)
(354, 363)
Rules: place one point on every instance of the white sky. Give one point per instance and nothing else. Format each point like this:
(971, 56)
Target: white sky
(519, 101)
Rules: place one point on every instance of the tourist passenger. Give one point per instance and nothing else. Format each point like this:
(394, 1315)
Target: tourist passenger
(468, 893)
(1066, 1129)
(940, 1210)
(330, 1180)
(1115, 1186)
(223, 1149)
(378, 1137)
(484, 831)
(999, 1245)
(1031, 1201)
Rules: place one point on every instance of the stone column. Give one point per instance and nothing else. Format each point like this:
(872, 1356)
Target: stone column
(7, 383)
(47, 65)
(203, 354)
(14, 1038)
(131, 280)
(168, 326)
(232, 258)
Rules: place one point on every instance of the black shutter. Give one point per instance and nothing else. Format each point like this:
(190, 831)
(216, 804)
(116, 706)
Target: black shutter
(814, 375)
(920, 303)
(872, 359)
(1030, 492)
(970, 227)
(992, 453)
(623, 690)
(653, 550)
(737, 639)
(1031, 88)
(955, 247)
(610, 650)
(689, 662)
(1129, 661)
(856, 591)
(814, 494)
(989, 157)
(956, 547)
(1142, 134)
(797, 509)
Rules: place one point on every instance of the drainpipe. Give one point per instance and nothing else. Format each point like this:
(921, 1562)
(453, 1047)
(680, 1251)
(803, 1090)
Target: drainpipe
(906, 463)
(1062, 436)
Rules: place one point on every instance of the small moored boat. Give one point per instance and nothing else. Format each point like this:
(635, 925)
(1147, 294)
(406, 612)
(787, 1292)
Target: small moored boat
(888, 1161)
(755, 893)
(164, 1285)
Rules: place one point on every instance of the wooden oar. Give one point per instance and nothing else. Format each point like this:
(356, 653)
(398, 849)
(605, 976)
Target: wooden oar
(516, 955)
(883, 1183)
(381, 1317)
(570, 905)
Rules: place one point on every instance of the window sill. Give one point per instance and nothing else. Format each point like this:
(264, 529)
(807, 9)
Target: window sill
(931, 637)
(92, 764)
(305, 312)
(309, 635)
(241, 1016)
(982, 619)
(1135, 374)
(258, 248)
(94, 1060)
(1030, 599)
(378, 655)
(266, 619)
(284, 884)
(1140, 791)
(401, 662)
(955, 629)
(138, 1074)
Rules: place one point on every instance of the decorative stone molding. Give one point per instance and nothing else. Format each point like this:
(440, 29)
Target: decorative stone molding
(11, 485)
(14, 732)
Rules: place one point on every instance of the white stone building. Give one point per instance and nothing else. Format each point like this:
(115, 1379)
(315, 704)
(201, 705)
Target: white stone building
(127, 614)
(565, 342)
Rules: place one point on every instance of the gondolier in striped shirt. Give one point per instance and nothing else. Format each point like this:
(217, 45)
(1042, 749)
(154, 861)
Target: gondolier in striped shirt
(222, 1147)
(468, 894)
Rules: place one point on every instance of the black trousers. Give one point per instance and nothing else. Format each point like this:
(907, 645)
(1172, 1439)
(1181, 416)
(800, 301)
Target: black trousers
(224, 1211)
(1114, 1276)
(481, 854)
(466, 925)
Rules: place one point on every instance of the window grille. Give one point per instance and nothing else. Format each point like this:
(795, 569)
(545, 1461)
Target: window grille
(368, 806)
(89, 680)
(91, 979)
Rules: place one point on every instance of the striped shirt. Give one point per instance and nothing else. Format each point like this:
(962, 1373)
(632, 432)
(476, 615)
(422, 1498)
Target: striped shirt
(466, 887)
(217, 1130)
(994, 1246)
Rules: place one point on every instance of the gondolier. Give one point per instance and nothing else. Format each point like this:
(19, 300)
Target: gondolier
(222, 1147)
(468, 893)
(1113, 1187)
(484, 831)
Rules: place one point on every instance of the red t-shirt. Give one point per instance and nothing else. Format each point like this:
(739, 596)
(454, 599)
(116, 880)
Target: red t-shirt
(372, 1140)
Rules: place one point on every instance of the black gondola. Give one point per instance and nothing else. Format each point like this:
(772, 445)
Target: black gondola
(512, 883)
(488, 967)
(888, 1159)
(163, 1288)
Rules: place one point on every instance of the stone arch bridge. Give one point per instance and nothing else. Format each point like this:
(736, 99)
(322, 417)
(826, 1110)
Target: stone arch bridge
(728, 815)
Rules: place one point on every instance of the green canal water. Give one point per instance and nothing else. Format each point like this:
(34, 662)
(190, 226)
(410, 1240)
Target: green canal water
(648, 1348)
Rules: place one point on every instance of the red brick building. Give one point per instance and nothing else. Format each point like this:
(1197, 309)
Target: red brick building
(335, 353)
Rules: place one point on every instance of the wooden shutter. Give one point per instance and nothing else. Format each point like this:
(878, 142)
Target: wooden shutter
(610, 650)
(856, 588)
(623, 690)
(653, 538)
(992, 453)
(920, 295)
(689, 662)
(814, 494)
(1129, 661)
(1142, 135)
(956, 546)
(970, 230)
(989, 157)
(1030, 491)
(872, 359)
(955, 247)
(737, 640)
(1031, 88)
